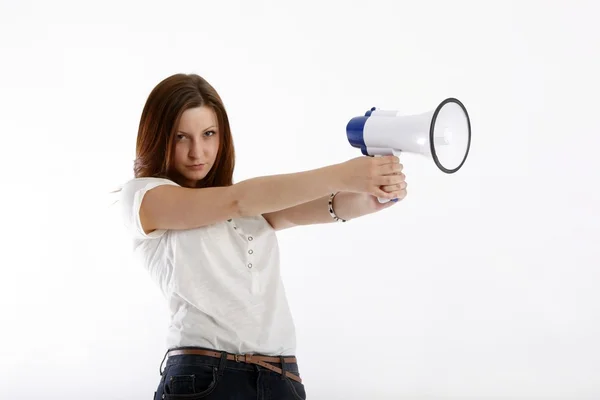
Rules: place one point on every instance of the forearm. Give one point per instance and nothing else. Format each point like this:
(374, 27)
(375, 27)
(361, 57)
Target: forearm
(268, 194)
(312, 212)
(346, 205)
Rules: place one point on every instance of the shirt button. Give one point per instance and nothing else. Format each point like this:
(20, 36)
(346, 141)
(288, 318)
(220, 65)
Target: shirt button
(250, 265)
(250, 251)
(250, 238)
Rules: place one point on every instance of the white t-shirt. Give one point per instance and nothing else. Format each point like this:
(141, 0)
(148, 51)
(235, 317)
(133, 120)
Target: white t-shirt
(222, 281)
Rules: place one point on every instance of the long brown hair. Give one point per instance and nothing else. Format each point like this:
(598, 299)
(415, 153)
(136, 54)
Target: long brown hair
(159, 122)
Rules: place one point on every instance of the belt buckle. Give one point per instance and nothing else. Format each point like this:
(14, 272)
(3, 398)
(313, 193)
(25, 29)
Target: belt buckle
(243, 358)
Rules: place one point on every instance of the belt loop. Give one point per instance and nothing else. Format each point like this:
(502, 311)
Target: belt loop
(282, 367)
(222, 363)
(160, 370)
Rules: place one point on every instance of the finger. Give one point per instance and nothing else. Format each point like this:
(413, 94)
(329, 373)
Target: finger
(385, 195)
(392, 168)
(398, 177)
(388, 180)
(401, 194)
(393, 188)
(395, 195)
(387, 159)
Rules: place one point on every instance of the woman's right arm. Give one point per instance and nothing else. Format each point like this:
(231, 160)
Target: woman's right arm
(174, 207)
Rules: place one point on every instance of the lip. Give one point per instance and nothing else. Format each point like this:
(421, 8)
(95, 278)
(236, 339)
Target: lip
(196, 166)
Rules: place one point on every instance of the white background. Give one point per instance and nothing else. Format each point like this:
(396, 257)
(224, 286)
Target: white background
(479, 285)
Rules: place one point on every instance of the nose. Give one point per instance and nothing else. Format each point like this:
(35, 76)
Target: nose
(196, 150)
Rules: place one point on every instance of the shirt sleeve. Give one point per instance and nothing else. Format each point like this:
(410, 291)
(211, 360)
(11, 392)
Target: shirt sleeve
(131, 196)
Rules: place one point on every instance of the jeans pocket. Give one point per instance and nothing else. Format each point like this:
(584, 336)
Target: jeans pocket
(296, 388)
(190, 382)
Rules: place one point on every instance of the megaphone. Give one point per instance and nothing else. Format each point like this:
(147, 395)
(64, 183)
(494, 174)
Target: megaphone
(443, 134)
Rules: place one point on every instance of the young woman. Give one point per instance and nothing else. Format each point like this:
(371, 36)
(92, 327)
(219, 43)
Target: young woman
(211, 245)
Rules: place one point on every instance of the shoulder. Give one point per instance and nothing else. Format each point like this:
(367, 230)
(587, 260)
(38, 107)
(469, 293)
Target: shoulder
(137, 187)
(129, 197)
(145, 183)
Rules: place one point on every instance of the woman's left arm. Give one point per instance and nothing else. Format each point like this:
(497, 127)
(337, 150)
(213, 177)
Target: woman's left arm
(347, 205)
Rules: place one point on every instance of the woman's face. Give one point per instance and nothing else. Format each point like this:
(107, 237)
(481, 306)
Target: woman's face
(196, 143)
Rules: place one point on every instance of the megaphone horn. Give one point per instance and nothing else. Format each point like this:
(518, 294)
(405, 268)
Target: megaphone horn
(443, 134)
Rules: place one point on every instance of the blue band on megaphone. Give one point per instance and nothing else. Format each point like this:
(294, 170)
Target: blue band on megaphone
(355, 131)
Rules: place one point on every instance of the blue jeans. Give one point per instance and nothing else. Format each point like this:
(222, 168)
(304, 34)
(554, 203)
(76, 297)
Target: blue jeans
(194, 377)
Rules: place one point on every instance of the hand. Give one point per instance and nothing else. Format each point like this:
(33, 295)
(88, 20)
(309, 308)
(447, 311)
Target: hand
(399, 189)
(370, 175)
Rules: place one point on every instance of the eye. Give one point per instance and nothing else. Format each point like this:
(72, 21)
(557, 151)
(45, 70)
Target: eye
(180, 137)
(210, 133)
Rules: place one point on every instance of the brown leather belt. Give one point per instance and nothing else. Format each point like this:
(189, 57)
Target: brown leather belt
(245, 358)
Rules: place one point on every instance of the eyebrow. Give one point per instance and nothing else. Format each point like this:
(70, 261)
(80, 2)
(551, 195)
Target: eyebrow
(206, 129)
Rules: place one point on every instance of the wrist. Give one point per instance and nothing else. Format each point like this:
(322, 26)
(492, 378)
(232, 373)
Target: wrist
(349, 205)
(332, 208)
(335, 178)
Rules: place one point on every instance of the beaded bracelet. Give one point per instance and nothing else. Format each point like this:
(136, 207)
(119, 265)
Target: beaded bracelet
(331, 212)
